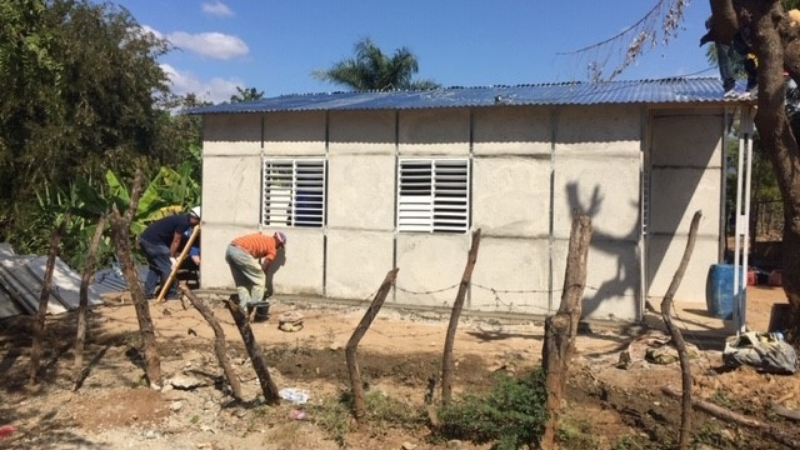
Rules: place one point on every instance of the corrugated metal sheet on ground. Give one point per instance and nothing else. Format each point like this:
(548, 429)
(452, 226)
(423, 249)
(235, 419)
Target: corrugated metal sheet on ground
(66, 283)
(6, 249)
(17, 278)
(8, 307)
(111, 280)
(668, 90)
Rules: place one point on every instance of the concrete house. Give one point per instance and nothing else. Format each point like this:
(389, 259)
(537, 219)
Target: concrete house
(364, 182)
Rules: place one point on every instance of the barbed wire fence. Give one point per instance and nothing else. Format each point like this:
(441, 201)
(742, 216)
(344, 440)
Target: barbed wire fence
(503, 303)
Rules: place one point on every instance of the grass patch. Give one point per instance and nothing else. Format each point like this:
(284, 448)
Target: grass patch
(383, 413)
(575, 433)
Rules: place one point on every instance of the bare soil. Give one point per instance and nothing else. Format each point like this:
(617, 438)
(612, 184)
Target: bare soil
(610, 407)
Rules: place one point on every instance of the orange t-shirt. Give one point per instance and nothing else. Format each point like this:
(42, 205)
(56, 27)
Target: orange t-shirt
(257, 245)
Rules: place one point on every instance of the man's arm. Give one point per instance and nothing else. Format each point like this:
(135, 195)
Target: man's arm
(265, 264)
(176, 243)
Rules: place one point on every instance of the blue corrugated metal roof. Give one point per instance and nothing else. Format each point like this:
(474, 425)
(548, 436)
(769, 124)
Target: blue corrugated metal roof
(668, 90)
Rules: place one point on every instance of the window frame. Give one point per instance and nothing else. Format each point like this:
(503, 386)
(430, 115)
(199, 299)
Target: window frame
(434, 195)
(292, 175)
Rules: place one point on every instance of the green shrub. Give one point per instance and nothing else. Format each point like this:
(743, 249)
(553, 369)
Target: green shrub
(513, 413)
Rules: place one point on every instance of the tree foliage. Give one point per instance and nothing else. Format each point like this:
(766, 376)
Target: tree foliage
(83, 96)
(246, 95)
(372, 70)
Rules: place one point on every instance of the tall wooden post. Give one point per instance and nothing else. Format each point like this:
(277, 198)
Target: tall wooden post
(44, 298)
(254, 351)
(561, 329)
(359, 410)
(219, 342)
(120, 230)
(455, 314)
(666, 310)
(88, 273)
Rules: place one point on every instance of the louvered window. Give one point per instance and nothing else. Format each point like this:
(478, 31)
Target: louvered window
(293, 193)
(433, 195)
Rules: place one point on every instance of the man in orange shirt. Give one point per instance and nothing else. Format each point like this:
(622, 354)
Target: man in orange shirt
(249, 275)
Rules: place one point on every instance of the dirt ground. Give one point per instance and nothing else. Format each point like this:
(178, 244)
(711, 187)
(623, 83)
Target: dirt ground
(612, 408)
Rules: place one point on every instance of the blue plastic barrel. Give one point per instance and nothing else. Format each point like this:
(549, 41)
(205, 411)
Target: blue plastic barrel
(719, 290)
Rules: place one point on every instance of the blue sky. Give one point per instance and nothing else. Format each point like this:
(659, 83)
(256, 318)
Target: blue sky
(274, 45)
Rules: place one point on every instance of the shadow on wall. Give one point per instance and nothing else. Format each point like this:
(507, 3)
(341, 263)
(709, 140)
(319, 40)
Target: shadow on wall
(280, 261)
(625, 282)
(672, 191)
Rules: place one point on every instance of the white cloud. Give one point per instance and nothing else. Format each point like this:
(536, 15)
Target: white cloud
(218, 9)
(215, 90)
(213, 45)
(148, 29)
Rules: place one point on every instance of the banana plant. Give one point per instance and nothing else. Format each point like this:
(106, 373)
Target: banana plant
(169, 192)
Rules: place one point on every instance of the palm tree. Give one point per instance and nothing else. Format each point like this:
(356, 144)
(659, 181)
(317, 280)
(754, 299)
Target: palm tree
(246, 95)
(371, 70)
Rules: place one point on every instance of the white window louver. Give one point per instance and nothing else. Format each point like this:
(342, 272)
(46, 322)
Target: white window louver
(433, 196)
(293, 193)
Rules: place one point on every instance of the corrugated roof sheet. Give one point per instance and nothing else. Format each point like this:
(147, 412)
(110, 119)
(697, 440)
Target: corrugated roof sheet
(668, 90)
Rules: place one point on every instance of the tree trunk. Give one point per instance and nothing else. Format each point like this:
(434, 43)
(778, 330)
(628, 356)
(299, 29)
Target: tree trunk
(458, 304)
(219, 342)
(44, 299)
(88, 272)
(359, 411)
(776, 48)
(666, 310)
(560, 330)
(120, 230)
(254, 351)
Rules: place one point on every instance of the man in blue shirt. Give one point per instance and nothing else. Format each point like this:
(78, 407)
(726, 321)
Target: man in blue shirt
(160, 242)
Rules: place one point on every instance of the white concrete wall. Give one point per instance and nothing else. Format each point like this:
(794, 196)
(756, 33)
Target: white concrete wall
(596, 171)
(505, 130)
(427, 263)
(360, 243)
(231, 190)
(591, 155)
(357, 263)
(295, 134)
(433, 132)
(511, 205)
(232, 163)
(687, 169)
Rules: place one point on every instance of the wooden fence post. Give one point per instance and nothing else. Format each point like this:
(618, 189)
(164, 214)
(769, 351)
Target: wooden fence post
(666, 308)
(88, 271)
(120, 230)
(44, 299)
(455, 314)
(254, 351)
(219, 341)
(359, 409)
(561, 329)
